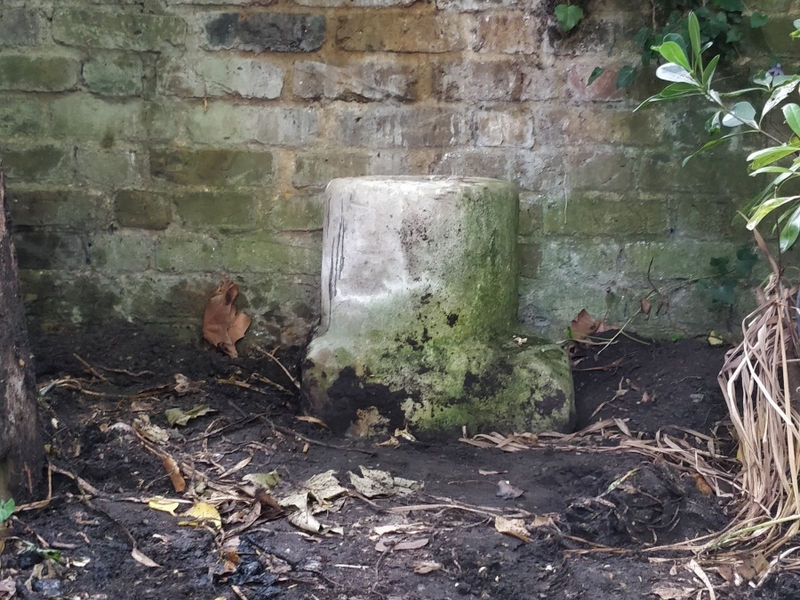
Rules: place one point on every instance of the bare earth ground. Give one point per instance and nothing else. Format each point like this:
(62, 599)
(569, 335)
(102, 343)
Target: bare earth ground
(95, 522)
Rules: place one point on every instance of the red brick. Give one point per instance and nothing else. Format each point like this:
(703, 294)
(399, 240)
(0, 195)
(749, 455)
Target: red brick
(390, 31)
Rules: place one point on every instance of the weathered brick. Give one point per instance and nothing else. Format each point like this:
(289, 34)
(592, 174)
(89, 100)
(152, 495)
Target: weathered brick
(683, 259)
(394, 162)
(506, 128)
(602, 170)
(530, 215)
(529, 257)
(87, 117)
(113, 75)
(211, 167)
(705, 217)
(266, 32)
(316, 169)
(257, 253)
(121, 251)
(576, 125)
(479, 5)
(387, 126)
(142, 209)
(662, 172)
(602, 88)
(217, 2)
(98, 28)
(19, 27)
(496, 163)
(43, 249)
(84, 210)
(38, 164)
(372, 81)
(226, 124)
(508, 80)
(109, 168)
(354, 3)
(593, 214)
(184, 251)
(38, 73)
(212, 76)
(20, 116)
(508, 33)
(164, 120)
(777, 35)
(220, 208)
(539, 170)
(168, 299)
(390, 31)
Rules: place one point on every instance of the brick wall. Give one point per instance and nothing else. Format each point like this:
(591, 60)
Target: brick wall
(153, 144)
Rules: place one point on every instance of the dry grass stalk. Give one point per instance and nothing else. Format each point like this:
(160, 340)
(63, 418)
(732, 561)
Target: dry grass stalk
(756, 382)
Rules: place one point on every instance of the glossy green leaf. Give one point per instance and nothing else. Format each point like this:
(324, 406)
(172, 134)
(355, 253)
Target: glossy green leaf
(711, 144)
(596, 72)
(768, 170)
(767, 156)
(790, 230)
(694, 34)
(792, 114)
(765, 208)
(568, 16)
(673, 53)
(779, 94)
(708, 72)
(675, 73)
(742, 113)
(626, 76)
(758, 19)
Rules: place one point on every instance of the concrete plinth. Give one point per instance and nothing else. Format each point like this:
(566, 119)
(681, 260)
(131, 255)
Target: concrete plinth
(419, 302)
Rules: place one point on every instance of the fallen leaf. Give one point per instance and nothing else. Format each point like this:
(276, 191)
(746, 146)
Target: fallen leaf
(383, 544)
(205, 514)
(7, 586)
(582, 326)
(305, 521)
(671, 592)
(177, 416)
(375, 482)
(369, 422)
(141, 558)
(392, 442)
(506, 491)
(483, 472)
(405, 434)
(702, 485)
(222, 327)
(174, 472)
(513, 527)
(265, 480)
(314, 420)
(423, 567)
(715, 339)
(152, 433)
(184, 385)
(164, 505)
(645, 307)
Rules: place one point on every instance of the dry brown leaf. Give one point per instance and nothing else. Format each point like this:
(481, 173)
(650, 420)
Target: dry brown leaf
(314, 420)
(506, 491)
(702, 485)
(671, 592)
(423, 567)
(143, 559)
(645, 307)
(583, 325)
(384, 545)
(222, 327)
(515, 527)
(174, 472)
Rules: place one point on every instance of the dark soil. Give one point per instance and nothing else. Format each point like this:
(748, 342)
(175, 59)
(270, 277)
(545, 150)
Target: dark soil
(123, 373)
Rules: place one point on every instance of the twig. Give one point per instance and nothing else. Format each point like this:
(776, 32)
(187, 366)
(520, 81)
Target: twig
(90, 368)
(280, 364)
(126, 371)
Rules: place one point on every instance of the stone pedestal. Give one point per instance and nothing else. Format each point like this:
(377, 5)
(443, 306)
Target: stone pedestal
(419, 303)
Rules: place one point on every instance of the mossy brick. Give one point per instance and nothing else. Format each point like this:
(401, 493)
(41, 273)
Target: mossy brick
(354, 3)
(266, 32)
(478, 5)
(85, 210)
(113, 74)
(121, 251)
(19, 27)
(164, 120)
(43, 249)
(529, 257)
(571, 259)
(530, 214)
(215, 167)
(259, 253)
(389, 126)
(560, 124)
(35, 165)
(115, 29)
(38, 72)
(684, 259)
(185, 251)
(706, 217)
(20, 116)
(117, 167)
(777, 33)
(161, 298)
(393, 31)
(539, 169)
(142, 209)
(87, 117)
(296, 212)
(226, 124)
(219, 208)
(316, 169)
(369, 81)
(210, 76)
(592, 214)
(600, 170)
(712, 171)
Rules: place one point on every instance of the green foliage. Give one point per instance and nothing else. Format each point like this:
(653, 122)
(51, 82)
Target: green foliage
(720, 23)
(721, 284)
(568, 16)
(6, 509)
(687, 75)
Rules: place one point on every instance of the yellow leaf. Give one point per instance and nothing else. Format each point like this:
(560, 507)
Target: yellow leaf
(164, 505)
(714, 339)
(205, 514)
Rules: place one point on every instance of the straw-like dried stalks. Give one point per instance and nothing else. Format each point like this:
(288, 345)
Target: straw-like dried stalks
(758, 381)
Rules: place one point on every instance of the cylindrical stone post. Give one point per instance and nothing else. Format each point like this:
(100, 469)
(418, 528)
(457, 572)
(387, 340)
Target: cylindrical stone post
(419, 302)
